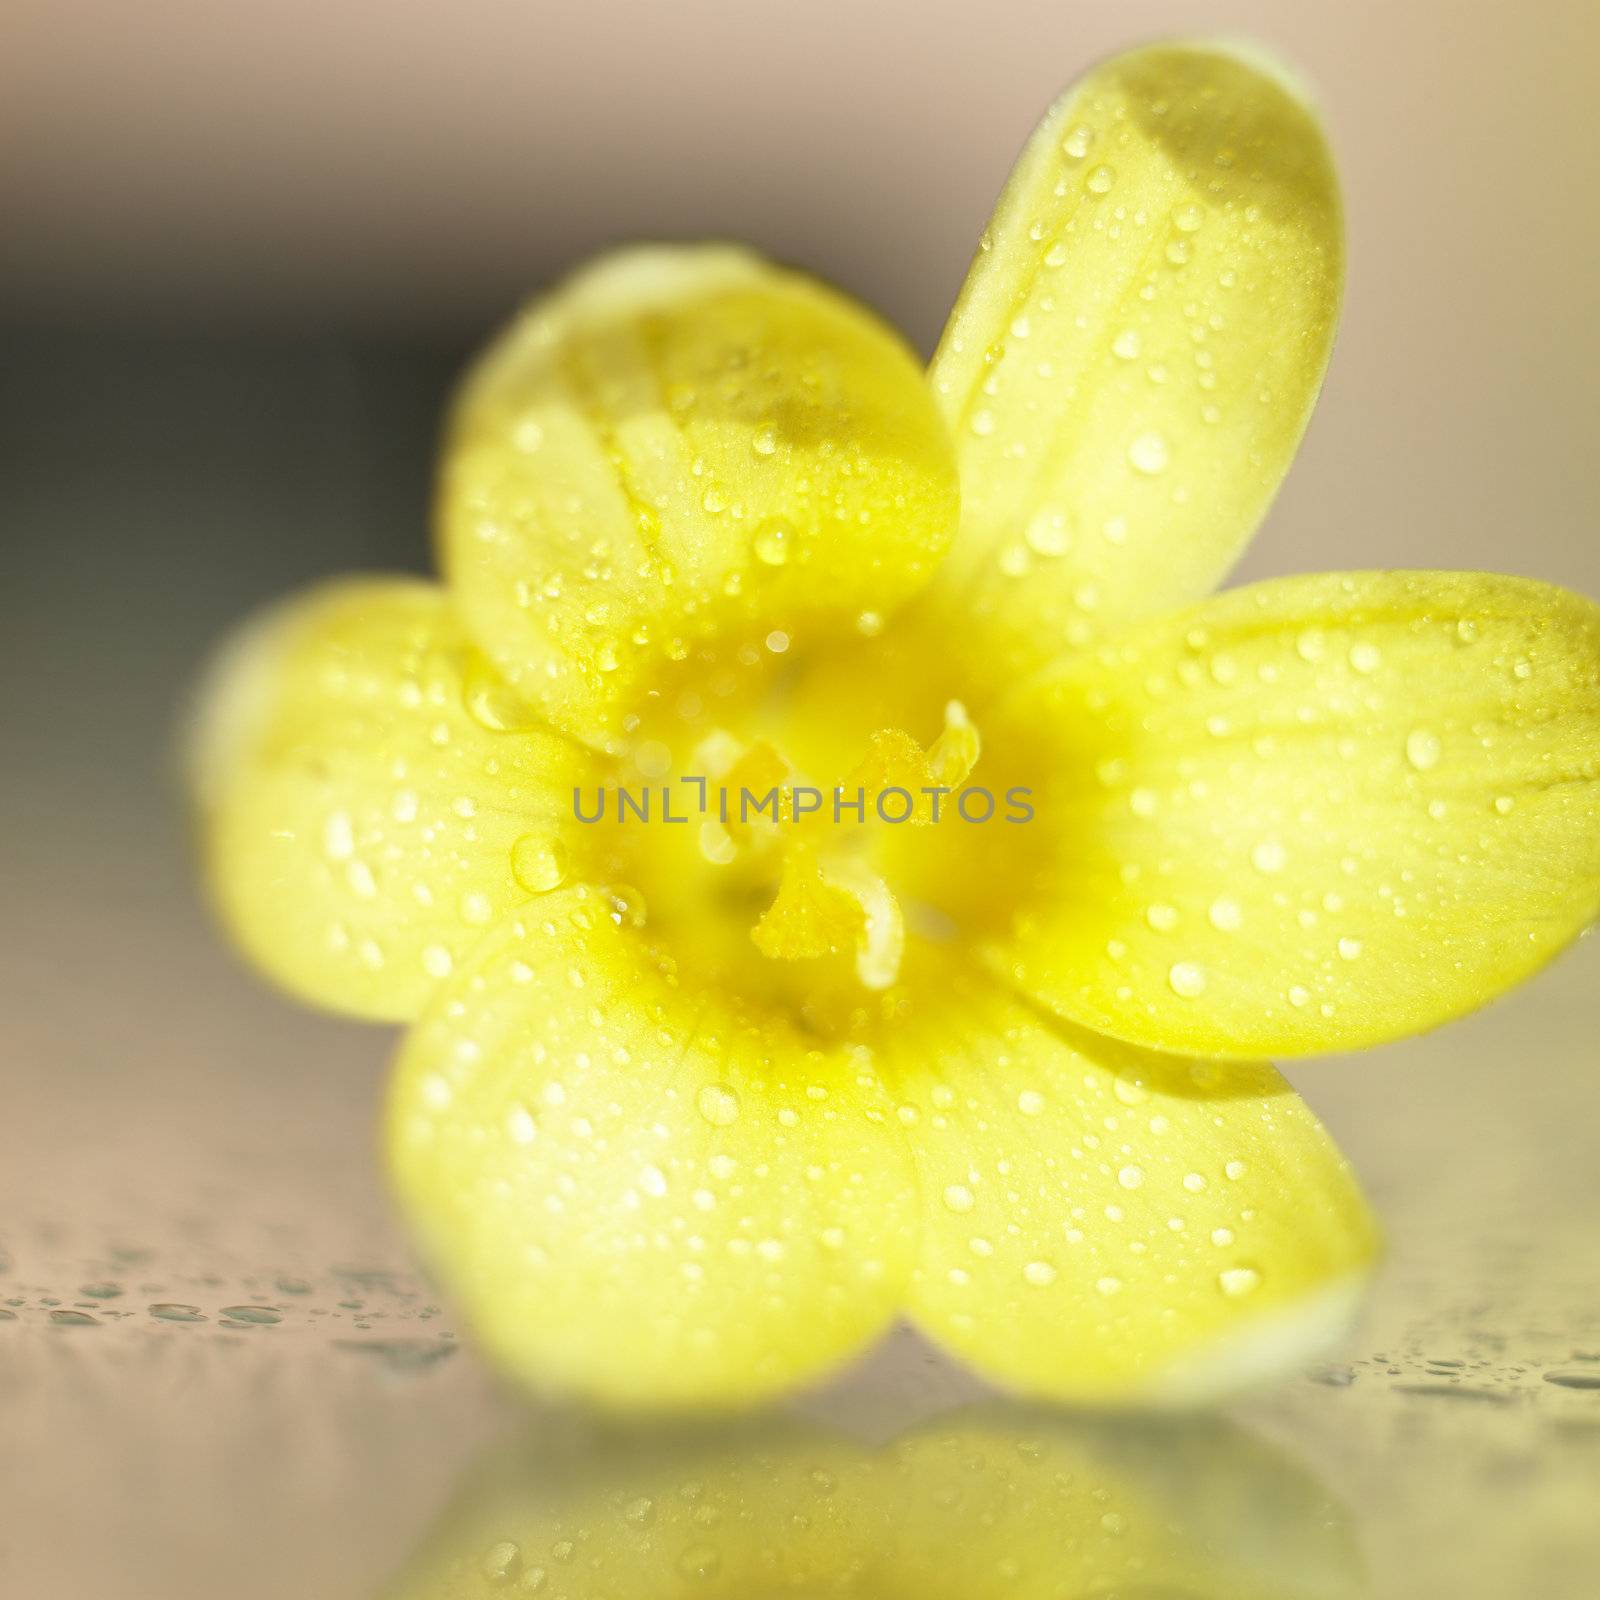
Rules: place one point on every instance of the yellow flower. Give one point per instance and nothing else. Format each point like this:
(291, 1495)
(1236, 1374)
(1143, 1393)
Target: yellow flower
(991, 1501)
(690, 1111)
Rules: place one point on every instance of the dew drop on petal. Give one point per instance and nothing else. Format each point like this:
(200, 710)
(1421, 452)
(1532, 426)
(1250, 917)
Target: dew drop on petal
(718, 1104)
(1148, 454)
(1422, 749)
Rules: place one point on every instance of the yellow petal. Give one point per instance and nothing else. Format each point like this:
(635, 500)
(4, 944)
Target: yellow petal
(681, 452)
(1103, 1224)
(371, 796)
(637, 1189)
(1137, 348)
(1313, 814)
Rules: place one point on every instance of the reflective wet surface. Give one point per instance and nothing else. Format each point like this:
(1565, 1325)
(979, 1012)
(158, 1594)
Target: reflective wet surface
(220, 1371)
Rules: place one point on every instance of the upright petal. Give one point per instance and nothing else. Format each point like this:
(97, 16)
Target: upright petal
(371, 797)
(1138, 346)
(638, 1188)
(1106, 1225)
(1312, 814)
(678, 453)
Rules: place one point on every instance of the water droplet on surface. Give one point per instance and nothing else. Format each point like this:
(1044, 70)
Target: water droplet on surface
(1100, 180)
(1237, 1281)
(539, 862)
(1269, 856)
(171, 1311)
(1049, 532)
(1422, 749)
(958, 1198)
(501, 1562)
(1224, 916)
(774, 541)
(718, 1104)
(1187, 979)
(264, 1315)
(1148, 454)
(1040, 1274)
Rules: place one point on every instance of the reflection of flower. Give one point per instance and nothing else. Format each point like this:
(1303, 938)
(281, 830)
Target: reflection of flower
(975, 1505)
(691, 1111)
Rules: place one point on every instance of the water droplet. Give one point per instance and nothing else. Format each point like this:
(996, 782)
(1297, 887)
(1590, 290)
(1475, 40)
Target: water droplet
(1100, 180)
(718, 1104)
(1148, 453)
(1349, 948)
(1077, 142)
(170, 1311)
(958, 1198)
(1422, 749)
(764, 441)
(264, 1315)
(1187, 978)
(1040, 1274)
(1126, 345)
(1163, 918)
(539, 862)
(774, 541)
(1188, 218)
(1225, 916)
(1365, 657)
(501, 1562)
(1030, 1102)
(1131, 1177)
(1049, 532)
(1269, 856)
(627, 905)
(1236, 1281)
(1108, 1285)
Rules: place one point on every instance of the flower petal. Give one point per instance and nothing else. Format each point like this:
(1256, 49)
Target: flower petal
(682, 451)
(1106, 1225)
(639, 1190)
(1313, 814)
(370, 792)
(1138, 346)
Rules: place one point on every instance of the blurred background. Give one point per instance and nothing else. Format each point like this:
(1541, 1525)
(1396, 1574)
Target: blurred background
(246, 251)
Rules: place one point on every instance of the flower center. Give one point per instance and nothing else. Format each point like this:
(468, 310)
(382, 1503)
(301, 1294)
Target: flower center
(758, 833)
